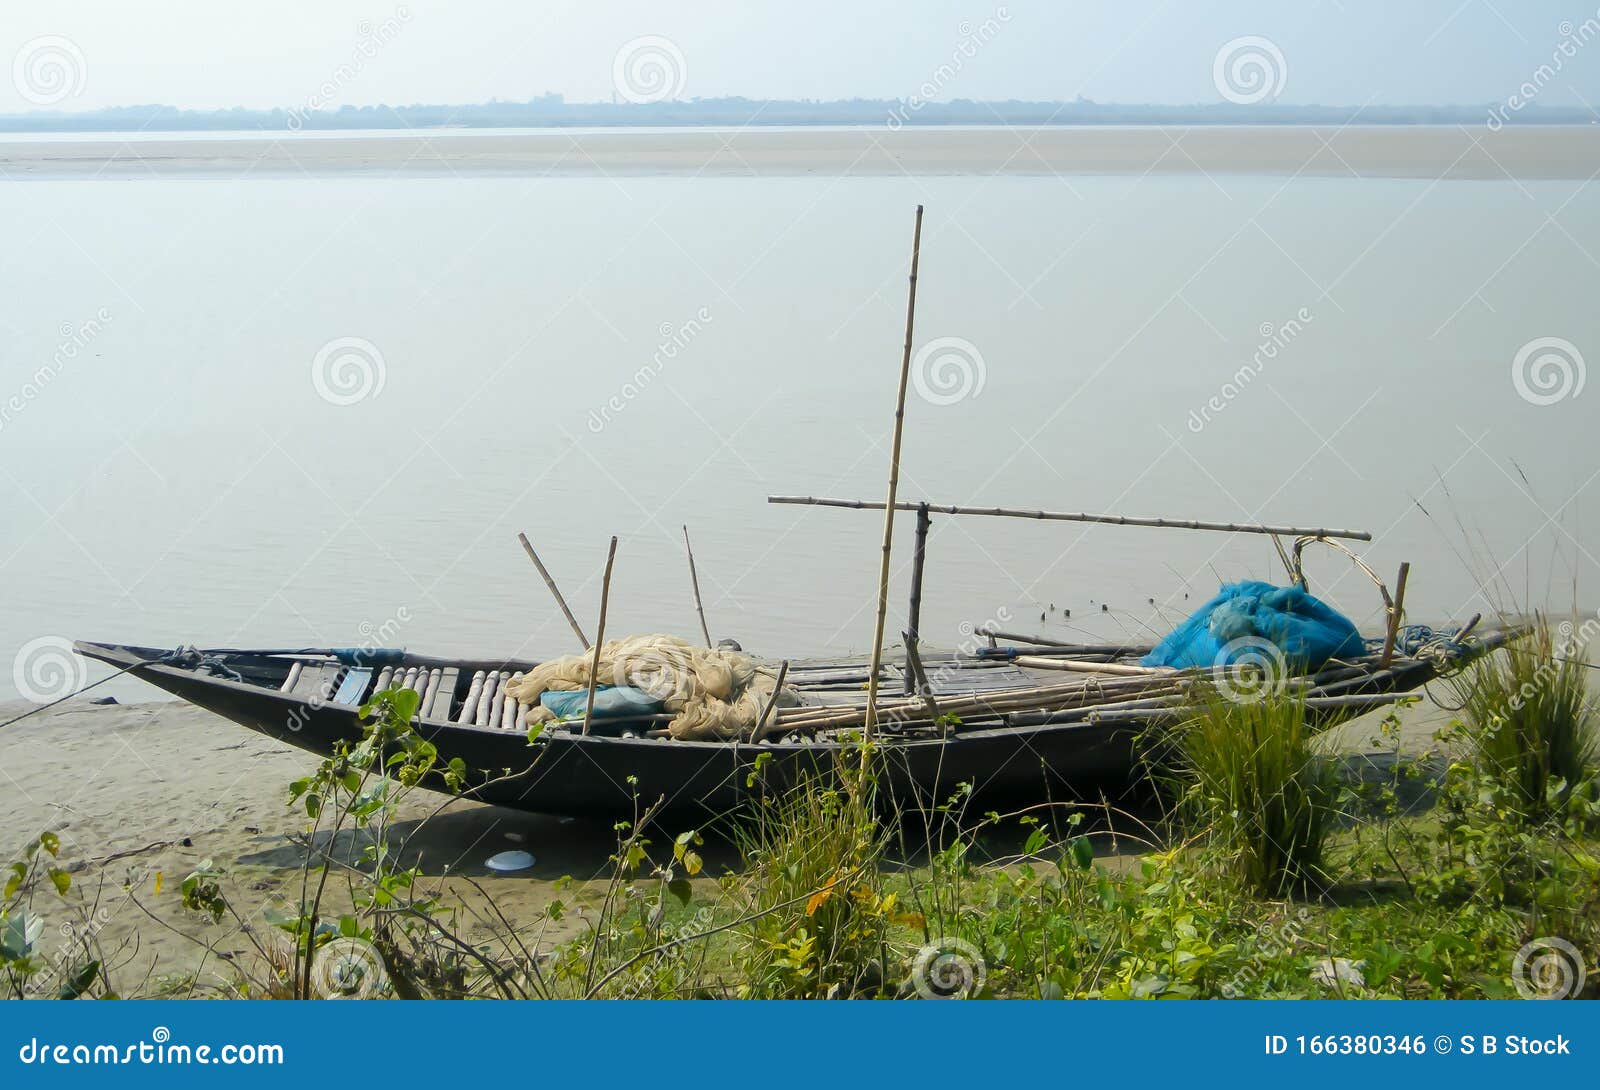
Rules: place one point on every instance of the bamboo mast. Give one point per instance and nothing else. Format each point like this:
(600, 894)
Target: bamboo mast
(599, 636)
(694, 580)
(894, 486)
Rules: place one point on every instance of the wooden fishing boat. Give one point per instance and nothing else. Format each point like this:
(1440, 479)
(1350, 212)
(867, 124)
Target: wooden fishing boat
(1020, 722)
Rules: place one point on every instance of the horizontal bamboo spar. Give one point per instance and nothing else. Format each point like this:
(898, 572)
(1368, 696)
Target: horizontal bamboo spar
(1067, 516)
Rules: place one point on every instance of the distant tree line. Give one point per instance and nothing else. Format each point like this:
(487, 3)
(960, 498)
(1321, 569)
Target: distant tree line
(551, 111)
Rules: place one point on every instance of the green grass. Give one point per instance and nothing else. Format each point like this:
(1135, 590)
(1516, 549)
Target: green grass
(1254, 784)
(1529, 720)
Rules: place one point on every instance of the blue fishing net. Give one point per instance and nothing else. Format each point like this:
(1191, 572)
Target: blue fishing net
(1232, 625)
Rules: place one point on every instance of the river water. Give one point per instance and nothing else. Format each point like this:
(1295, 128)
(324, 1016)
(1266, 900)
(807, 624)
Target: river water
(316, 407)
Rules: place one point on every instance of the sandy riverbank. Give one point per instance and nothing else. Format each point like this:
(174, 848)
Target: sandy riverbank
(1405, 151)
(141, 789)
(136, 790)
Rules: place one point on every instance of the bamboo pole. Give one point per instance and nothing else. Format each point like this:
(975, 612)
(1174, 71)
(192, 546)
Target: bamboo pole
(1080, 648)
(599, 635)
(1066, 516)
(919, 556)
(1041, 662)
(551, 583)
(924, 687)
(694, 580)
(993, 702)
(1393, 628)
(760, 728)
(889, 505)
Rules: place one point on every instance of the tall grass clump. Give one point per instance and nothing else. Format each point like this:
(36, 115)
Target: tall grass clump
(1251, 778)
(820, 917)
(1530, 721)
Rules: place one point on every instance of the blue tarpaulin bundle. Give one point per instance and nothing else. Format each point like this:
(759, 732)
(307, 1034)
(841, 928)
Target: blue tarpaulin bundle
(1232, 625)
(609, 701)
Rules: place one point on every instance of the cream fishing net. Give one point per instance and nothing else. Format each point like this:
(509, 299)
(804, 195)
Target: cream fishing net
(708, 691)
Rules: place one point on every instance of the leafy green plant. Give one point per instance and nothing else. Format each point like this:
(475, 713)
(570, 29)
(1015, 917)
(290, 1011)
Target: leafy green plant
(27, 971)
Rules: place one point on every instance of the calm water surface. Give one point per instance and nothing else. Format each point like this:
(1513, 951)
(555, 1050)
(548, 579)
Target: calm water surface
(581, 357)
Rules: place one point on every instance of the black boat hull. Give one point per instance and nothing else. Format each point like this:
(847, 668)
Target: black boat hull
(611, 777)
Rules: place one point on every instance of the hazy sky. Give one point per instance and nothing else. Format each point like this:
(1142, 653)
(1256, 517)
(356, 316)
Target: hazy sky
(218, 53)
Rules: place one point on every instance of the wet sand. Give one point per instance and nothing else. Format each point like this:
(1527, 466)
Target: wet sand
(1401, 151)
(140, 789)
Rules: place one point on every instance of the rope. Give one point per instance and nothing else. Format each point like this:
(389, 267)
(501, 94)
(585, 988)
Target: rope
(1420, 641)
(189, 657)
